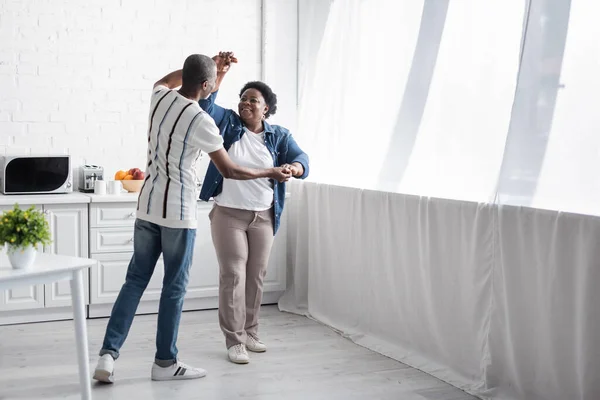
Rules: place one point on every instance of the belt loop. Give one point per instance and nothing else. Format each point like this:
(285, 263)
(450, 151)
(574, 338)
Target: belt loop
(256, 213)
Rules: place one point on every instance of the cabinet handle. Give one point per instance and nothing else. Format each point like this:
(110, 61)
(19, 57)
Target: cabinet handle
(131, 240)
(132, 214)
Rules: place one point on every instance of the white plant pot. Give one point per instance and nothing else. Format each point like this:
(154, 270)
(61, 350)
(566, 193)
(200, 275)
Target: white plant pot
(21, 258)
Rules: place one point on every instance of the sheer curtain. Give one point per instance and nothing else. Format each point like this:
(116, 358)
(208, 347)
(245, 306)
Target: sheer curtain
(544, 325)
(355, 102)
(372, 116)
(570, 173)
(459, 147)
(552, 157)
(348, 106)
(489, 109)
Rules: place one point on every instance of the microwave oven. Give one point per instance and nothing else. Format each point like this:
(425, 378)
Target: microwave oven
(35, 174)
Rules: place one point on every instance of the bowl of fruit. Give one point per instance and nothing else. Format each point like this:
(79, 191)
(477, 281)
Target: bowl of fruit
(132, 180)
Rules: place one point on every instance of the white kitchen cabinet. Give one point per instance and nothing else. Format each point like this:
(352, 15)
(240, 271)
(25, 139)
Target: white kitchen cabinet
(111, 240)
(111, 243)
(22, 298)
(204, 271)
(103, 230)
(275, 279)
(112, 214)
(69, 229)
(69, 235)
(108, 277)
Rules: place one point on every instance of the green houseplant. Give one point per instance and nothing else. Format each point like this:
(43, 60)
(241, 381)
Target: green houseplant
(22, 231)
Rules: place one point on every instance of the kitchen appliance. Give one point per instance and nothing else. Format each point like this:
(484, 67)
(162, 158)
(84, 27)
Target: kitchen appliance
(88, 175)
(27, 174)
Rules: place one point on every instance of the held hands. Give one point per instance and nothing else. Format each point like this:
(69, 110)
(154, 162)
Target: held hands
(293, 169)
(224, 60)
(281, 174)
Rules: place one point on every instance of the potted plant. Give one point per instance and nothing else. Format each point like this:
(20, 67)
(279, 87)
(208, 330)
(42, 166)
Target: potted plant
(22, 231)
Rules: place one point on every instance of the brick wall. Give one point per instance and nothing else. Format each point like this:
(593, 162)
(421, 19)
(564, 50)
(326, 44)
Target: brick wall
(76, 76)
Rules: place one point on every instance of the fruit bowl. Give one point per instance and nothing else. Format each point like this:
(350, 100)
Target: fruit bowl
(132, 185)
(132, 180)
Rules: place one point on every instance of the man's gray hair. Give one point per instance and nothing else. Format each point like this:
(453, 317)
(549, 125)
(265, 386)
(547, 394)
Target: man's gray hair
(197, 69)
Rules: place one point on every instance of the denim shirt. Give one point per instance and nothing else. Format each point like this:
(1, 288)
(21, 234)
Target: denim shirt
(278, 140)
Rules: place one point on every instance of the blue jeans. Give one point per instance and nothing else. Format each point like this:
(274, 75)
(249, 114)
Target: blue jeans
(177, 246)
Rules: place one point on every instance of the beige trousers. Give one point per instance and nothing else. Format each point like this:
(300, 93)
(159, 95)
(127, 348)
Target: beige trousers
(243, 241)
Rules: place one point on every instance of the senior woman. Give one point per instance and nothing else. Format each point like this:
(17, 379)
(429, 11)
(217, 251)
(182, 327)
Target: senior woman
(246, 214)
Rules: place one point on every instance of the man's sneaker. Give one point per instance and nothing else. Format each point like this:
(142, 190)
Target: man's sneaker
(176, 371)
(255, 345)
(105, 369)
(238, 354)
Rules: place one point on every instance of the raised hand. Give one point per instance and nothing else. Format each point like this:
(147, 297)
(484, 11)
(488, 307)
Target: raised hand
(224, 60)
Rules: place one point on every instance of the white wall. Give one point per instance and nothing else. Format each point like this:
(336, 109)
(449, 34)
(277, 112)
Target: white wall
(75, 77)
(280, 58)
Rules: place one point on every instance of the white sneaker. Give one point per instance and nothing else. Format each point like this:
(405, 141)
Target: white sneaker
(105, 369)
(238, 354)
(255, 345)
(176, 371)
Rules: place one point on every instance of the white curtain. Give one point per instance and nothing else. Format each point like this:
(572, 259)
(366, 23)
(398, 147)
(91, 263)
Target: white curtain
(545, 325)
(489, 107)
(365, 87)
(454, 99)
(403, 275)
(552, 151)
(498, 302)
(348, 106)
(570, 173)
(460, 143)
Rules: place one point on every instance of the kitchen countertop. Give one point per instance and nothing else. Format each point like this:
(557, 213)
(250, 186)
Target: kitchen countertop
(113, 198)
(73, 198)
(30, 199)
(117, 198)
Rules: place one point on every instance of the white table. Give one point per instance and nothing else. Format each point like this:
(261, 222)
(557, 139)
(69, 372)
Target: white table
(50, 268)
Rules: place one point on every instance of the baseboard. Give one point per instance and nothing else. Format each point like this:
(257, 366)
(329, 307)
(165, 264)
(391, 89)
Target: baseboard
(36, 315)
(151, 307)
(103, 310)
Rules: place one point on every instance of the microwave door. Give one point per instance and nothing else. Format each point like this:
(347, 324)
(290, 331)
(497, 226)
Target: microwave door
(36, 174)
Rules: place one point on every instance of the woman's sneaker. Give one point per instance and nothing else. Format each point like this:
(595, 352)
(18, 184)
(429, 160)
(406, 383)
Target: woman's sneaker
(105, 369)
(176, 371)
(255, 345)
(238, 354)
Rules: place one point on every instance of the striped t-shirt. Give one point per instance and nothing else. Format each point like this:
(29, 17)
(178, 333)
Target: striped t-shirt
(179, 130)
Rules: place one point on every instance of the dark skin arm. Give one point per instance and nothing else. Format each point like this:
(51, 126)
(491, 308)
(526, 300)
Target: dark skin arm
(231, 170)
(172, 80)
(223, 60)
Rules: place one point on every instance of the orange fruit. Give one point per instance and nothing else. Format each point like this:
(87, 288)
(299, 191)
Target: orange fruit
(128, 177)
(120, 175)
